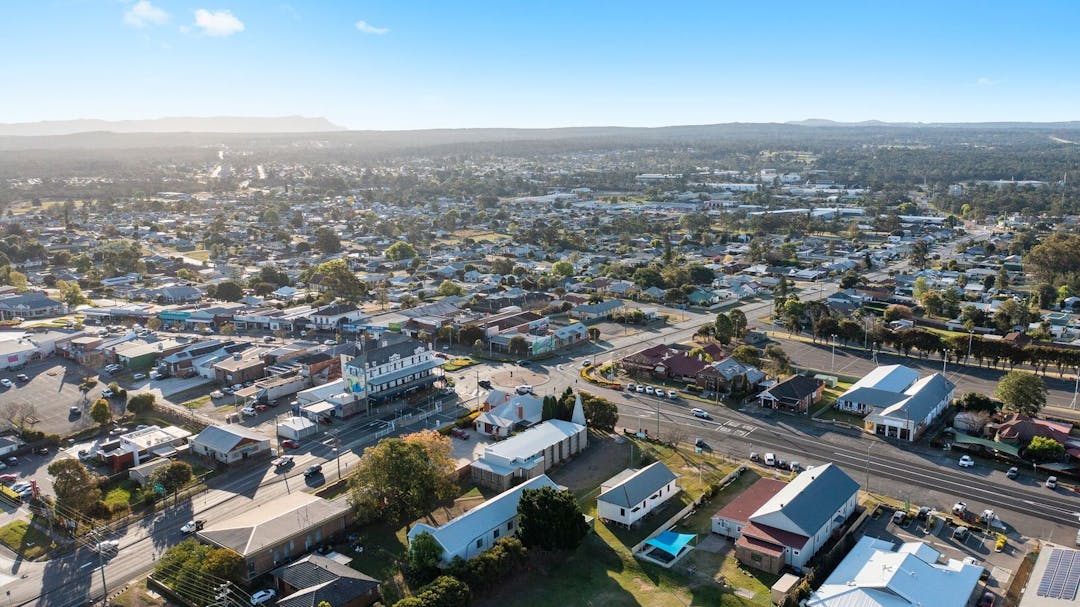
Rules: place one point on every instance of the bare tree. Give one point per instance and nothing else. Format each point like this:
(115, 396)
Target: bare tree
(19, 414)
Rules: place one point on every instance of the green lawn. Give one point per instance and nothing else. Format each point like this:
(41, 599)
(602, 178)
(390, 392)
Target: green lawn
(843, 416)
(196, 403)
(25, 540)
(118, 496)
(459, 363)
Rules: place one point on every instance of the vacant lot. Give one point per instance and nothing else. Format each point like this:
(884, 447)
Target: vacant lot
(25, 540)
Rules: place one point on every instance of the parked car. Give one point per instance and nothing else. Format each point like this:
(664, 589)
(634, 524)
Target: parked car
(119, 430)
(630, 387)
(523, 363)
(898, 517)
(459, 433)
(586, 363)
(261, 408)
(700, 443)
(329, 342)
(966, 461)
(672, 394)
(192, 526)
(701, 413)
(283, 462)
(770, 459)
(1051, 482)
(924, 512)
(268, 338)
(1012, 472)
(107, 393)
(263, 596)
(217, 394)
(249, 411)
(7, 383)
(12, 461)
(42, 450)
(960, 533)
(315, 470)
(640, 389)
(74, 411)
(290, 444)
(648, 389)
(524, 389)
(84, 454)
(22, 377)
(8, 478)
(138, 376)
(986, 600)
(485, 384)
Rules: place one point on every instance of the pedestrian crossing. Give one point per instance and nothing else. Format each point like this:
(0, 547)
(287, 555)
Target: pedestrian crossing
(735, 428)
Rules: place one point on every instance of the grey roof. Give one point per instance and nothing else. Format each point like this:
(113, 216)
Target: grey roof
(318, 578)
(456, 533)
(271, 523)
(873, 397)
(925, 394)
(812, 498)
(224, 438)
(633, 490)
(33, 301)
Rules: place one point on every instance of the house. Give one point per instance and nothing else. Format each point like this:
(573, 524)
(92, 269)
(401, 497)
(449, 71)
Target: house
(632, 494)
(1019, 429)
(331, 317)
(897, 404)
(879, 573)
(240, 367)
(316, 579)
(528, 454)
(506, 413)
(795, 522)
(796, 393)
(477, 530)
(729, 375)
(730, 520)
(9, 444)
(231, 443)
(274, 532)
(34, 304)
(596, 311)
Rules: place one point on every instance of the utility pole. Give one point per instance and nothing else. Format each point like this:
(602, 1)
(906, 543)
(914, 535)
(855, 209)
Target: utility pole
(866, 487)
(337, 453)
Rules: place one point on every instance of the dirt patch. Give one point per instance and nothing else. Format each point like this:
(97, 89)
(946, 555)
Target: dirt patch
(643, 586)
(602, 459)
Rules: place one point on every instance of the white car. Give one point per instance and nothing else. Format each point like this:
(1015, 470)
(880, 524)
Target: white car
(108, 546)
(192, 527)
(966, 461)
(703, 414)
(648, 389)
(138, 376)
(217, 394)
(640, 388)
(263, 596)
(249, 411)
(672, 394)
(6, 383)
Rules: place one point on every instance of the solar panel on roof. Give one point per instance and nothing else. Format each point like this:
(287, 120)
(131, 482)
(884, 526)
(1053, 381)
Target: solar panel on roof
(1062, 576)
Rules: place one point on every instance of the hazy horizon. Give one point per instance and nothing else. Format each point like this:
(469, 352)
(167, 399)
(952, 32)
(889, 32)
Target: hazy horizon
(397, 66)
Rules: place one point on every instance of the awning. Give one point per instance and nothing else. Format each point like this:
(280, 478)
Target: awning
(671, 542)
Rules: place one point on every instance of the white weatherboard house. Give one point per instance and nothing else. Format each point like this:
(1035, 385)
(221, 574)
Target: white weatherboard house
(878, 573)
(477, 530)
(896, 402)
(630, 495)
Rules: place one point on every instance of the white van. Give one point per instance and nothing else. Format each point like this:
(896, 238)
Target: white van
(770, 459)
(524, 389)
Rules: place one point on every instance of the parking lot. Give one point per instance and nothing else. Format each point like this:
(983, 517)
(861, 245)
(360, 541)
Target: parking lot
(53, 388)
(977, 545)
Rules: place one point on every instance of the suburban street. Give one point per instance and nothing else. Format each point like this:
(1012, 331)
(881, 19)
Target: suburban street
(916, 473)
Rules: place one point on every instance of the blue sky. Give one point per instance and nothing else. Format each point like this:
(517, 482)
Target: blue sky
(408, 64)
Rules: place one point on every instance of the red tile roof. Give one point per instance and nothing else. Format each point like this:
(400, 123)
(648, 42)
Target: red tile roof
(773, 535)
(766, 548)
(752, 498)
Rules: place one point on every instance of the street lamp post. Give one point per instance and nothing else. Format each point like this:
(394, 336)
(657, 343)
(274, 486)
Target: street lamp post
(1076, 389)
(832, 363)
(971, 337)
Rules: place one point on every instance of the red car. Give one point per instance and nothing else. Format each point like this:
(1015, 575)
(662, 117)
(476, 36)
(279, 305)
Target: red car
(290, 444)
(261, 408)
(8, 478)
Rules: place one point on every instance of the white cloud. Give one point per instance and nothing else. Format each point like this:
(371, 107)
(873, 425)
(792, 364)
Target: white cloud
(142, 14)
(987, 82)
(217, 23)
(368, 28)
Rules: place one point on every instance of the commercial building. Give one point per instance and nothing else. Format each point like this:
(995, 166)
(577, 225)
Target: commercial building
(896, 402)
(529, 454)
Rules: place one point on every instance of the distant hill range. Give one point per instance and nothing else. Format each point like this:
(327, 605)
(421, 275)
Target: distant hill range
(213, 124)
(951, 125)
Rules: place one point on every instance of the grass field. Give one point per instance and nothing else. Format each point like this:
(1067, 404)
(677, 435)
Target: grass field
(458, 364)
(476, 235)
(25, 540)
(199, 254)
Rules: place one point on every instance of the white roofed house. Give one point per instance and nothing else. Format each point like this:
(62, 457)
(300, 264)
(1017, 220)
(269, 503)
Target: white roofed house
(896, 402)
(507, 412)
(477, 530)
(632, 494)
(231, 443)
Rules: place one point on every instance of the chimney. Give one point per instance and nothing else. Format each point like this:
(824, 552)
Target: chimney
(521, 411)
